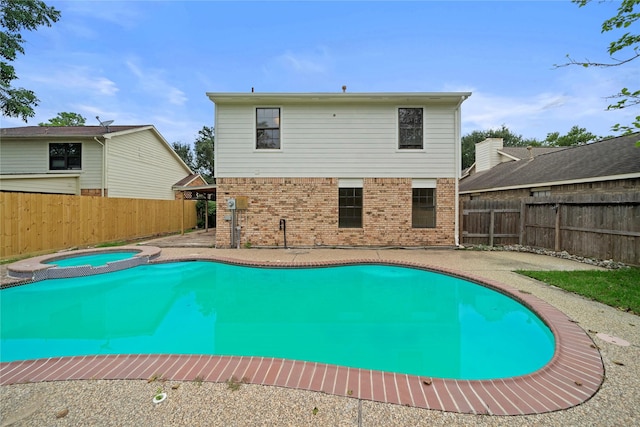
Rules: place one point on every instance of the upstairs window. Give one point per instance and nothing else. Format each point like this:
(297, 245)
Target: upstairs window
(423, 209)
(65, 156)
(410, 128)
(350, 208)
(268, 128)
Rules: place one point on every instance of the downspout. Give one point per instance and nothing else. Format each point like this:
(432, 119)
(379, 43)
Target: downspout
(104, 165)
(458, 155)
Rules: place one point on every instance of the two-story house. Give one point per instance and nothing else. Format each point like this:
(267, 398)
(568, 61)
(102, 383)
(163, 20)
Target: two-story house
(109, 161)
(337, 169)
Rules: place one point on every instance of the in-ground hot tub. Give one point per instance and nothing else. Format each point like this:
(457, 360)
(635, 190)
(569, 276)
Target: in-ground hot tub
(79, 263)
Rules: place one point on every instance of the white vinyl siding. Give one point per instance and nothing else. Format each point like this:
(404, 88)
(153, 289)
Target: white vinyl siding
(141, 166)
(335, 140)
(32, 157)
(61, 184)
(487, 155)
(91, 176)
(24, 157)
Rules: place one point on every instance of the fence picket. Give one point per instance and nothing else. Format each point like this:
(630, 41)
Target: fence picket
(598, 226)
(34, 223)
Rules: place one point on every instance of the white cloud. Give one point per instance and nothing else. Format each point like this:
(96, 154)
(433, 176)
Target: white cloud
(538, 115)
(122, 14)
(78, 79)
(153, 82)
(573, 97)
(312, 63)
(302, 64)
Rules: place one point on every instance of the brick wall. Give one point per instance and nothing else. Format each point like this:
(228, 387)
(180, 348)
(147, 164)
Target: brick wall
(93, 192)
(310, 208)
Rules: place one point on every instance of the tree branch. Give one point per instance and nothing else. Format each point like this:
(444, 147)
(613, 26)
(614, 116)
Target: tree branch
(588, 63)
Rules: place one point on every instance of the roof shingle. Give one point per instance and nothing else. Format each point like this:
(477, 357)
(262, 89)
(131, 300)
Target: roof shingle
(61, 131)
(610, 157)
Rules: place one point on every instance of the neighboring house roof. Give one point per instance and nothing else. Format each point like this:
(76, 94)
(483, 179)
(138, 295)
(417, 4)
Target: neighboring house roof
(64, 131)
(523, 153)
(187, 180)
(613, 158)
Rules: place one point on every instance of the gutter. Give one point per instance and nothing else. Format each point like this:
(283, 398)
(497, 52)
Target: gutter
(103, 178)
(458, 166)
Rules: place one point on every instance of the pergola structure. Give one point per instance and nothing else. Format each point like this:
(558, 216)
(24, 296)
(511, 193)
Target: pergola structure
(201, 192)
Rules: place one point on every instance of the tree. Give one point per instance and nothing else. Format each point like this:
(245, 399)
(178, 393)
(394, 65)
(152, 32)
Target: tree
(575, 136)
(65, 119)
(16, 16)
(628, 44)
(203, 161)
(185, 153)
(204, 144)
(509, 138)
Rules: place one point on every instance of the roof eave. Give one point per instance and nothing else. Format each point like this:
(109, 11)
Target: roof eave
(334, 97)
(553, 183)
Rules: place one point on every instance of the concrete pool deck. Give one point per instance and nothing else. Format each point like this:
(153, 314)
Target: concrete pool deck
(618, 397)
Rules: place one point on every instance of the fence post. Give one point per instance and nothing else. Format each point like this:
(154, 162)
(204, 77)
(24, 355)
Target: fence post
(523, 214)
(492, 221)
(182, 221)
(557, 228)
(461, 222)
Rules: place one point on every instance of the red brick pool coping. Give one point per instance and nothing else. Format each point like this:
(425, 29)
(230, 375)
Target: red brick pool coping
(574, 374)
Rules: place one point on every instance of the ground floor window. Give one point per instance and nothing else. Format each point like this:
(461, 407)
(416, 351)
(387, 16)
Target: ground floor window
(350, 208)
(423, 209)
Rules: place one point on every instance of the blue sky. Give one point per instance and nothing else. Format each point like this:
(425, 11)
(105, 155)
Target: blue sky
(151, 62)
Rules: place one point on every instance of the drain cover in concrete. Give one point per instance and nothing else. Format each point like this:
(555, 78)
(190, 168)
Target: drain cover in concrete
(613, 340)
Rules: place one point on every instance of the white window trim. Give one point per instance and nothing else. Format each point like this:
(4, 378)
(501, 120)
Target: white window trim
(350, 182)
(255, 131)
(423, 183)
(424, 133)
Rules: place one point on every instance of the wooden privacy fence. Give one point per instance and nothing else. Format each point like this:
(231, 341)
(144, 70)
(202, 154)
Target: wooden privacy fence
(595, 226)
(32, 223)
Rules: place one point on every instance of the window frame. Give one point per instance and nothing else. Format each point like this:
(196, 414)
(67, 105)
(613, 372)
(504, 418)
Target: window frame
(345, 205)
(540, 192)
(65, 157)
(256, 129)
(417, 205)
(399, 146)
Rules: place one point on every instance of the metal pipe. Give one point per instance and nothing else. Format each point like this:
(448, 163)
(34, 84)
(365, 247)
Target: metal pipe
(283, 227)
(104, 162)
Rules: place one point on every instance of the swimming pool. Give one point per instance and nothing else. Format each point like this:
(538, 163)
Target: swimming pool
(381, 317)
(94, 260)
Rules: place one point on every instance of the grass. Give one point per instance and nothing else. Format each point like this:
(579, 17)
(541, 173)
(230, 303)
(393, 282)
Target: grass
(111, 244)
(617, 288)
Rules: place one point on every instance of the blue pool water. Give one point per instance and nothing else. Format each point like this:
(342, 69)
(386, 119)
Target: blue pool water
(93, 260)
(367, 316)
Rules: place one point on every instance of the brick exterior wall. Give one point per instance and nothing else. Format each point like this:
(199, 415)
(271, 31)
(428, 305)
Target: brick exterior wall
(310, 208)
(93, 192)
